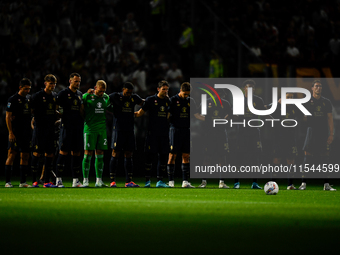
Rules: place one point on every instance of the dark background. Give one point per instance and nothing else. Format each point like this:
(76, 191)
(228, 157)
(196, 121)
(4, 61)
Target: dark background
(61, 37)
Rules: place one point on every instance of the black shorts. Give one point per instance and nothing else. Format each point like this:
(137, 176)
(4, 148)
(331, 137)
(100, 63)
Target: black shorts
(249, 142)
(284, 146)
(316, 142)
(43, 140)
(216, 144)
(71, 139)
(156, 144)
(249, 147)
(123, 140)
(179, 140)
(22, 142)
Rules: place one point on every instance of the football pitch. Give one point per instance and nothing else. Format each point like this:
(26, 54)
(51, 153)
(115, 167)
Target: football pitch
(169, 221)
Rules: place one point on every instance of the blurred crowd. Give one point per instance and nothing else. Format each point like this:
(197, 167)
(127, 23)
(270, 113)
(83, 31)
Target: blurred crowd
(98, 39)
(300, 32)
(144, 42)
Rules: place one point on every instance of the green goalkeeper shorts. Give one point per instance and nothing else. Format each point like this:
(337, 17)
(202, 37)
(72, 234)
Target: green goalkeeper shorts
(95, 141)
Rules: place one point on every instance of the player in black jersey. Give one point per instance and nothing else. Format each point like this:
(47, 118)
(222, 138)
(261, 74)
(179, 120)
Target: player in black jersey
(249, 144)
(18, 120)
(45, 114)
(71, 132)
(179, 133)
(157, 140)
(123, 137)
(216, 144)
(284, 139)
(320, 131)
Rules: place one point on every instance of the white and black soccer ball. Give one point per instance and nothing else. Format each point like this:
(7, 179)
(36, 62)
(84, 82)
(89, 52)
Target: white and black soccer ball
(271, 188)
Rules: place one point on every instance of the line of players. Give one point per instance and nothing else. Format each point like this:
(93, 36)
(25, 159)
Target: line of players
(83, 126)
(88, 113)
(316, 148)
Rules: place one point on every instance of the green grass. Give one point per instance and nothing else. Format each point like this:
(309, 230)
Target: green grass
(168, 221)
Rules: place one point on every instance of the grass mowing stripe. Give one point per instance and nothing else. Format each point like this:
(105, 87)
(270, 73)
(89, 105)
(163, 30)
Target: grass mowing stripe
(168, 221)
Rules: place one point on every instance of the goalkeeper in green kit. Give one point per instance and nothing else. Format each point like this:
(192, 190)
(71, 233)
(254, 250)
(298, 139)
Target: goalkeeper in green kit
(95, 137)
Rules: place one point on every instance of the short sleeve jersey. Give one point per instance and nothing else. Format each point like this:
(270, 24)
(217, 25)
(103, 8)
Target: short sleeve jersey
(95, 112)
(292, 112)
(258, 105)
(44, 108)
(180, 111)
(71, 103)
(20, 107)
(123, 108)
(217, 111)
(158, 112)
(319, 108)
(248, 115)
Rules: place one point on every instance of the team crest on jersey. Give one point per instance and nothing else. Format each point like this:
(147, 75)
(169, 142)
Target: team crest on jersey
(54, 99)
(216, 113)
(99, 105)
(26, 106)
(75, 102)
(162, 108)
(132, 100)
(318, 108)
(50, 106)
(184, 109)
(127, 104)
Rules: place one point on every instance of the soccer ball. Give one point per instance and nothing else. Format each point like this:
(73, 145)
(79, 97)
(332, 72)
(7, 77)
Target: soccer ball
(271, 188)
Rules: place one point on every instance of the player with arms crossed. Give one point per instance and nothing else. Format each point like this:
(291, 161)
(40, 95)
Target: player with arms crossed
(71, 139)
(44, 108)
(320, 131)
(18, 120)
(157, 140)
(179, 111)
(95, 137)
(123, 137)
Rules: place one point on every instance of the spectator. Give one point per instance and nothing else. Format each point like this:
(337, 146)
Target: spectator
(174, 77)
(129, 31)
(292, 52)
(138, 79)
(112, 51)
(139, 45)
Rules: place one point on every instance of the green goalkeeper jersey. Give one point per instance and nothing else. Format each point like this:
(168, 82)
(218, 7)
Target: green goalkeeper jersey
(95, 112)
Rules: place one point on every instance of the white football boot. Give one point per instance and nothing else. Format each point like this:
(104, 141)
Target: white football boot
(203, 184)
(303, 186)
(326, 186)
(186, 184)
